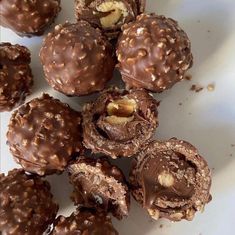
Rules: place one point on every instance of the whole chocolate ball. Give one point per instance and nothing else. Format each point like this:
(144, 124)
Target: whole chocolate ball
(108, 15)
(153, 53)
(28, 18)
(171, 180)
(44, 134)
(16, 78)
(26, 204)
(77, 59)
(84, 222)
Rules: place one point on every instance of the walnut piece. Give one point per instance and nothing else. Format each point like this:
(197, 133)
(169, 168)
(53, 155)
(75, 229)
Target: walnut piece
(117, 11)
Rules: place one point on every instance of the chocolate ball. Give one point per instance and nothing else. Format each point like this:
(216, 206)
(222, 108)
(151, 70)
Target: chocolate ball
(171, 180)
(153, 53)
(119, 122)
(84, 222)
(26, 204)
(77, 59)
(16, 78)
(108, 15)
(44, 134)
(28, 18)
(100, 185)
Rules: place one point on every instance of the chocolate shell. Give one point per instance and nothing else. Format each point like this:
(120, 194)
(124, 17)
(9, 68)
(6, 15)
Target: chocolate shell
(119, 122)
(100, 185)
(171, 180)
(108, 15)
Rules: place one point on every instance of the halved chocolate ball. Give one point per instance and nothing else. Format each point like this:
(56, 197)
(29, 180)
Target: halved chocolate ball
(153, 53)
(100, 185)
(109, 15)
(44, 134)
(16, 77)
(171, 180)
(26, 204)
(84, 222)
(77, 59)
(28, 18)
(119, 122)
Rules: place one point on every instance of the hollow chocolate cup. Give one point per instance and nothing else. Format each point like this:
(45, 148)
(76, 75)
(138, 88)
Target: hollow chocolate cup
(119, 122)
(100, 185)
(171, 180)
(108, 15)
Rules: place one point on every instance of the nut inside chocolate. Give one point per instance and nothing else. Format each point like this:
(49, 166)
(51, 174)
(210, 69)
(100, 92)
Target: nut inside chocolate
(116, 10)
(121, 111)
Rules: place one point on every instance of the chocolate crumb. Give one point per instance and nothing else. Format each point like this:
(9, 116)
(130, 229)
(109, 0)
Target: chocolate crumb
(196, 88)
(211, 87)
(161, 226)
(188, 77)
(180, 103)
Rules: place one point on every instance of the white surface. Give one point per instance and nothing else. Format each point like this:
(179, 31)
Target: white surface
(207, 119)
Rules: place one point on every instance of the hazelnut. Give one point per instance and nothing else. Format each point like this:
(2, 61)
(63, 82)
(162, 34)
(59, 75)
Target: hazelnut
(117, 10)
(121, 111)
(154, 213)
(122, 108)
(166, 179)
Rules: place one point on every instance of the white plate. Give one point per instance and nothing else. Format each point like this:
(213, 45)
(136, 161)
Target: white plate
(207, 119)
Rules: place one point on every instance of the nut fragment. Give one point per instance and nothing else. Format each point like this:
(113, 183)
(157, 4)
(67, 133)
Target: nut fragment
(117, 10)
(166, 179)
(122, 107)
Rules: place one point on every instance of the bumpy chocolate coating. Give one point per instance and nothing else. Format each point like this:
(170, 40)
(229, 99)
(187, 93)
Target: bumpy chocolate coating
(100, 185)
(16, 78)
(119, 122)
(153, 53)
(108, 15)
(26, 204)
(28, 18)
(84, 222)
(171, 180)
(44, 134)
(77, 59)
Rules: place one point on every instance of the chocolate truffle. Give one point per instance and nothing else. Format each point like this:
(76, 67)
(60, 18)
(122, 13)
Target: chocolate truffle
(26, 204)
(100, 185)
(153, 53)
(84, 222)
(44, 134)
(28, 18)
(108, 15)
(171, 180)
(16, 78)
(77, 59)
(119, 122)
